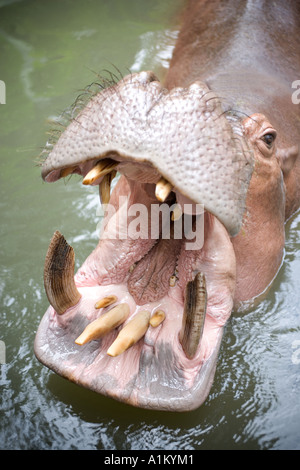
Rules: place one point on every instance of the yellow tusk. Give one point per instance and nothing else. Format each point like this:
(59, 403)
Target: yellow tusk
(104, 324)
(157, 318)
(163, 189)
(104, 187)
(106, 301)
(130, 334)
(100, 169)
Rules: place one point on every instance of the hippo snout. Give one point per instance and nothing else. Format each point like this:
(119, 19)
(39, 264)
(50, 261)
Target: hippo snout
(183, 134)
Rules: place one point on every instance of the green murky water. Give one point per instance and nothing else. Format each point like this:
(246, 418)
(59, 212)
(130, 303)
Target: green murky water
(49, 50)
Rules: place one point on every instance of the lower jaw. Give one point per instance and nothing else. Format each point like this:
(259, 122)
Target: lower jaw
(152, 374)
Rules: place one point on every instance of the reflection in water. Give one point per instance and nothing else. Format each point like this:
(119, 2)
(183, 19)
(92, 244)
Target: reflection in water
(27, 69)
(254, 402)
(156, 50)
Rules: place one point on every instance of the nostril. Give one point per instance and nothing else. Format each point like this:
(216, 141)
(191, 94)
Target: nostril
(146, 77)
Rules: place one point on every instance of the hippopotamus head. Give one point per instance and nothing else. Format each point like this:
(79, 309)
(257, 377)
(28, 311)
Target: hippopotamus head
(142, 320)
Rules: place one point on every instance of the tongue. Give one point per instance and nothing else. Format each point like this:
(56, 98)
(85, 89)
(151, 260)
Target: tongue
(150, 280)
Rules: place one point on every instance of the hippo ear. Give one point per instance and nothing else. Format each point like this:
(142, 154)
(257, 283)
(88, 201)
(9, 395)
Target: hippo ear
(287, 158)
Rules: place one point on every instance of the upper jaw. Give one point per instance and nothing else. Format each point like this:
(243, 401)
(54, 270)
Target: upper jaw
(183, 134)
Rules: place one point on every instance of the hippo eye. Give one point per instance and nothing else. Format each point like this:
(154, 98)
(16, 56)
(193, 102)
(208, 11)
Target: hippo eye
(269, 138)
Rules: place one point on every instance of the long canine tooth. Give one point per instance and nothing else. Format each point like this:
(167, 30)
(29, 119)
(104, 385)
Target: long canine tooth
(130, 334)
(100, 169)
(104, 324)
(163, 189)
(59, 281)
(104, 187)
(106, 301)
(193, 315)
(157, 318)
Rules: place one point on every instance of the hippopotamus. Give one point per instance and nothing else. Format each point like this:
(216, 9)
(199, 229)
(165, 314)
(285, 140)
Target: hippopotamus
(216, 145)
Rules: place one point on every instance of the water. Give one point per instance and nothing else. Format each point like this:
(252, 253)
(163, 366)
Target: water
(48, 51)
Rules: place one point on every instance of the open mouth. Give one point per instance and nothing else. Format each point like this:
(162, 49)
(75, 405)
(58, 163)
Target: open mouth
(142, 320)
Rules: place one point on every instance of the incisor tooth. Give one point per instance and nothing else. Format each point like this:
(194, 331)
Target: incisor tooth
(106, 301)
(100, 169)
(104, 187)
(163, 189)
(130, 334)
(104, 324)
(157, 318)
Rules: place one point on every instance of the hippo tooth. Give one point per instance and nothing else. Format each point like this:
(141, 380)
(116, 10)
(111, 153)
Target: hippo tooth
(172, 281)
(163, 189)
(176, 213)
(104, 187)
(104, 324)
(132, 267)
(130, 334)
(106, 301)
(59, 281)
(193, 315)
(157, 318)
(103, 167)
(67, 171)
